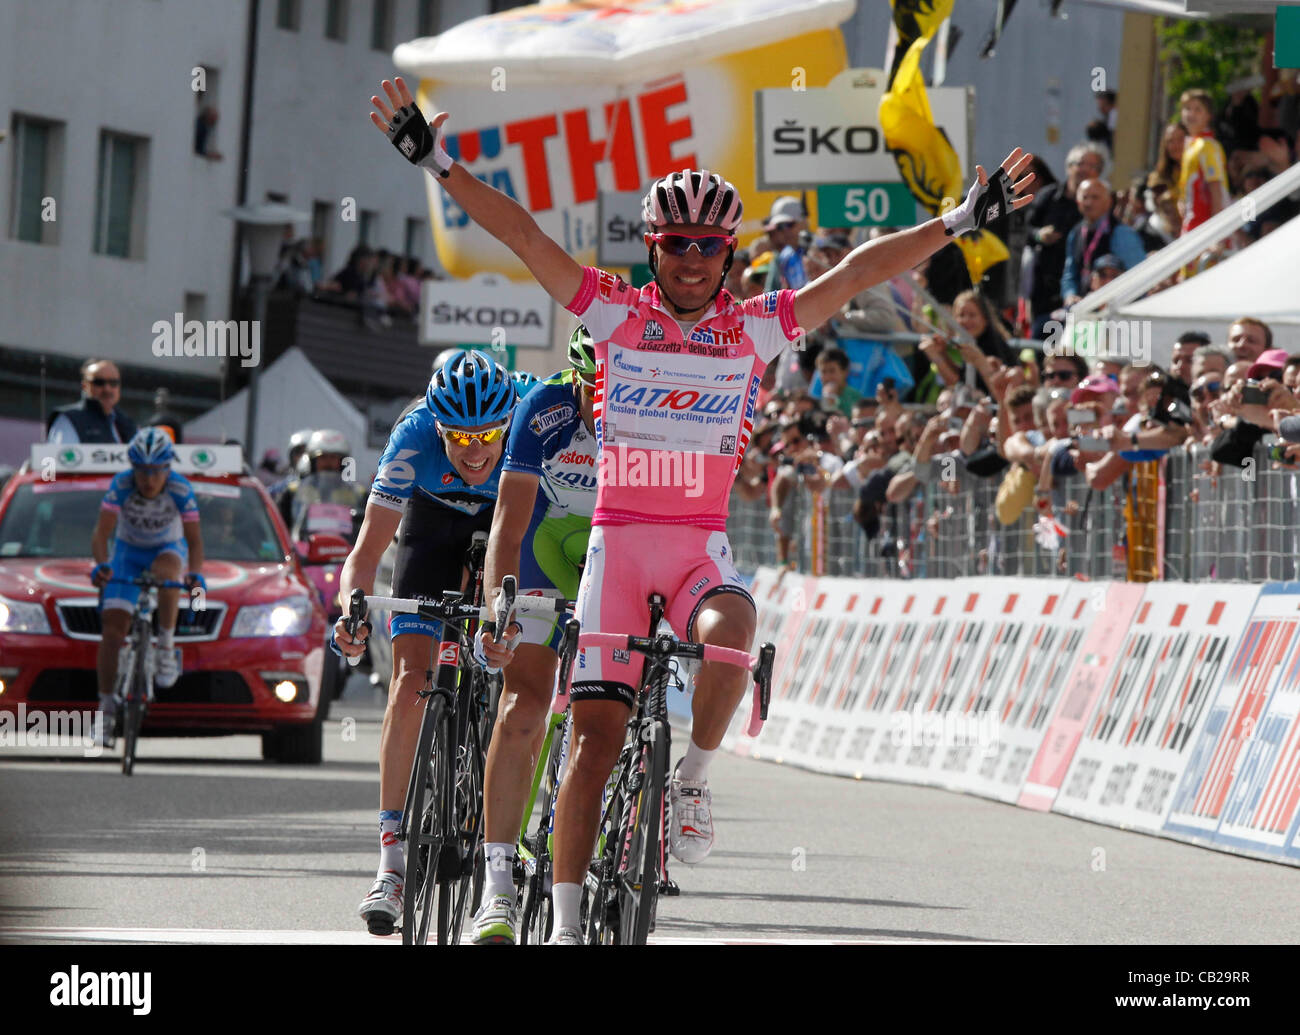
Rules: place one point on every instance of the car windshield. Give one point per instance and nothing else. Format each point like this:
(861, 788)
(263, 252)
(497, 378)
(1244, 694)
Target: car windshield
(56, 519)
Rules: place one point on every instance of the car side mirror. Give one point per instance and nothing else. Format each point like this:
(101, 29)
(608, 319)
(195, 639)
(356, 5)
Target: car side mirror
(324, 548)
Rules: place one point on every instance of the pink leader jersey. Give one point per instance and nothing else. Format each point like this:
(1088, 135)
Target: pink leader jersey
(673, 415)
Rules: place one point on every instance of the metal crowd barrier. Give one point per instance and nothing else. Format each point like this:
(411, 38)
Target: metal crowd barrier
(1191, 524)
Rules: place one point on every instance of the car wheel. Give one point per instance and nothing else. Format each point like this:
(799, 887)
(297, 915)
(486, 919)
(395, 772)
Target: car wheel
(331, 682)
(301, 745)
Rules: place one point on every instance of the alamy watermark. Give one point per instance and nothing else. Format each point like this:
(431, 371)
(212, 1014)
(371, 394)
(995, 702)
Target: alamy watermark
(221, 339)
(650, 468)
(946, 729)
(1128, 340)
(55, 728)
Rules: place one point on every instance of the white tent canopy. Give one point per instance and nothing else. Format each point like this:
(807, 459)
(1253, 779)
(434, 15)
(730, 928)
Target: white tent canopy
(291, 394)
(1260, 281)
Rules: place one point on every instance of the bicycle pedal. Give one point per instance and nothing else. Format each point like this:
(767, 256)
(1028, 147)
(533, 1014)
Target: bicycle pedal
(670, 888)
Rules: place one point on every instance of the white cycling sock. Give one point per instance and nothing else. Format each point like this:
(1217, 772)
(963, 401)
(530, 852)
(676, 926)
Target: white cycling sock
(695, 763)
(499, 878)
(567, 899)
(390, 849)
(107, 704)
(165, 641)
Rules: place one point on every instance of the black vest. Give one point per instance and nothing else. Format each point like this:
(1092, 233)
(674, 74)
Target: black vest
(91, 423)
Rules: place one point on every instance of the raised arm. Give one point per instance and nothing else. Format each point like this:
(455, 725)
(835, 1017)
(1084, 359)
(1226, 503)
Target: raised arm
(877, 261)
(420, 142)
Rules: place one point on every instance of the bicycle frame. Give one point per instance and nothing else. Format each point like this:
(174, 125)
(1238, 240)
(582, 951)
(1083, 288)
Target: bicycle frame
(133, 684)
(629, 870)
(448, 762)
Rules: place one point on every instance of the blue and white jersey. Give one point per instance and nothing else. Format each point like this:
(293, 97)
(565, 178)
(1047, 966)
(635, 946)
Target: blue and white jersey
(415, 463)
(150, 522)
(548, 439)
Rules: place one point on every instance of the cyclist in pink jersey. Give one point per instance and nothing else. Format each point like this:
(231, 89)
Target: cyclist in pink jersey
(678, 368)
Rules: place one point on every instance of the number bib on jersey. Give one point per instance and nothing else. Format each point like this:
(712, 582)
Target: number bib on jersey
(680, 402)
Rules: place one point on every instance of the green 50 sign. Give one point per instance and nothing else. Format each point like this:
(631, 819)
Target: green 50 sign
(865, 204)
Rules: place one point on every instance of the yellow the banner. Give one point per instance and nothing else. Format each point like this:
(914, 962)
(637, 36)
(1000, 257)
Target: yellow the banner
(924, 155)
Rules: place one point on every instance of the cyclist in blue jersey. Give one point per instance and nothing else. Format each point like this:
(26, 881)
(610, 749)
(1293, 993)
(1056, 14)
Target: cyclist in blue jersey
(150, 519)
(540, 531)
(436, 487)
(525, 382)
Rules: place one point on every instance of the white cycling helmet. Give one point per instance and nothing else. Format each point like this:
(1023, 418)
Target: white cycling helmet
(327, 441)
(692, 196)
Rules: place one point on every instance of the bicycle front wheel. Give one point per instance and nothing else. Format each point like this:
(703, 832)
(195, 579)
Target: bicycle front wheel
(425, 822)
(641, 862)
(136, 696)
(460, 882)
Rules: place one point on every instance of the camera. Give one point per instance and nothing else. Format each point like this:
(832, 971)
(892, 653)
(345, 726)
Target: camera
(1080, 416)
(864, 422)
(1253, 393)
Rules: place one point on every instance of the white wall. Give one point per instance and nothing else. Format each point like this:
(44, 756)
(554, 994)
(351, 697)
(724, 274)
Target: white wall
(124, 66)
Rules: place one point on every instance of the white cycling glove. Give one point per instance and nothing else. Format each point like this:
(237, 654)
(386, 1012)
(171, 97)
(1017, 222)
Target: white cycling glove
(410, 133)
(984, 203)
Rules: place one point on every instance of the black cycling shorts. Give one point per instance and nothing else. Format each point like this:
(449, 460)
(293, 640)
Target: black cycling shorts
(432, 541)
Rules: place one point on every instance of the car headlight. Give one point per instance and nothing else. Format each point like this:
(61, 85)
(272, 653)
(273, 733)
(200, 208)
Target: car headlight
(288, 617)
(16, 617)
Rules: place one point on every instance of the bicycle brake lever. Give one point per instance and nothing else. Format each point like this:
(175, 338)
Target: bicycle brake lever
(356, 615)
(763, 677)
(505, 605)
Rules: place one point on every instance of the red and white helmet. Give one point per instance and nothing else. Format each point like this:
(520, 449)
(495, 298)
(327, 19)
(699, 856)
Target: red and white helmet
(692, 196)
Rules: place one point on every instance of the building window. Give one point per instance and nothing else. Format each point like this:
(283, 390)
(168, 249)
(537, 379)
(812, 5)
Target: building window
(368, 228)
(33, 205)
(207, 113)
(336, 20)
(427, 22)
(322, 221)
(415, 238)
(119, 193)
(195, 307)
(381, 25)
(287, 13)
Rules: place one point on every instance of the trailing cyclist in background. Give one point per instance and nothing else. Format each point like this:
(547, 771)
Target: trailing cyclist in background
(148, 522)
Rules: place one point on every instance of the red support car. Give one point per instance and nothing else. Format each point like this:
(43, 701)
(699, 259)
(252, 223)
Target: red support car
(252, 657)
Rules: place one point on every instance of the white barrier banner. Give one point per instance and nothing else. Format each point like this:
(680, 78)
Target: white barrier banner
(962, 716)
(1234, 717)
(1138, 739)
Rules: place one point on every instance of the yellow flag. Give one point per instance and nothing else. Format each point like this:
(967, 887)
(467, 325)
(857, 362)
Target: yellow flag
(925, 157)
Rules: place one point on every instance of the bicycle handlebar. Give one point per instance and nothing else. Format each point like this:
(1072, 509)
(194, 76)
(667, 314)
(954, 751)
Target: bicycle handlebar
(665, 646)
(430, 610)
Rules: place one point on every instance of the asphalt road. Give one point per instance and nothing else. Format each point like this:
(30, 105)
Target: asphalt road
(206, 843)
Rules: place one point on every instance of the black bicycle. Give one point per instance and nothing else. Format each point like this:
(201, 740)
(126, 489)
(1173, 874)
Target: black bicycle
(629, 870)
(133, 688)
(442, 823)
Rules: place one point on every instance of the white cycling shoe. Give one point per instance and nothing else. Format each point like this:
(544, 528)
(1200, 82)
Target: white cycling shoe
(567, 936)
(167, 667)
(691, 819)
(382, 908)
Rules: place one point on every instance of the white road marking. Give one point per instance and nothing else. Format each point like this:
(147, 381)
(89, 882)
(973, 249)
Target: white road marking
(211, 936)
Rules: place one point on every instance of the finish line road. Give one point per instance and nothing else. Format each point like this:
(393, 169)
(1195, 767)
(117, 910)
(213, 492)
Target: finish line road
(207, 844)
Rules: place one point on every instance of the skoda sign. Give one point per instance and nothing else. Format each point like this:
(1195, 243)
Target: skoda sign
(832, 134)
(489, 310)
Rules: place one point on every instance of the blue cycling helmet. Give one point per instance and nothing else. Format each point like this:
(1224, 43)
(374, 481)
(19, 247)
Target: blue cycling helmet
(524, 382)
(471, 390)
(151, 447)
